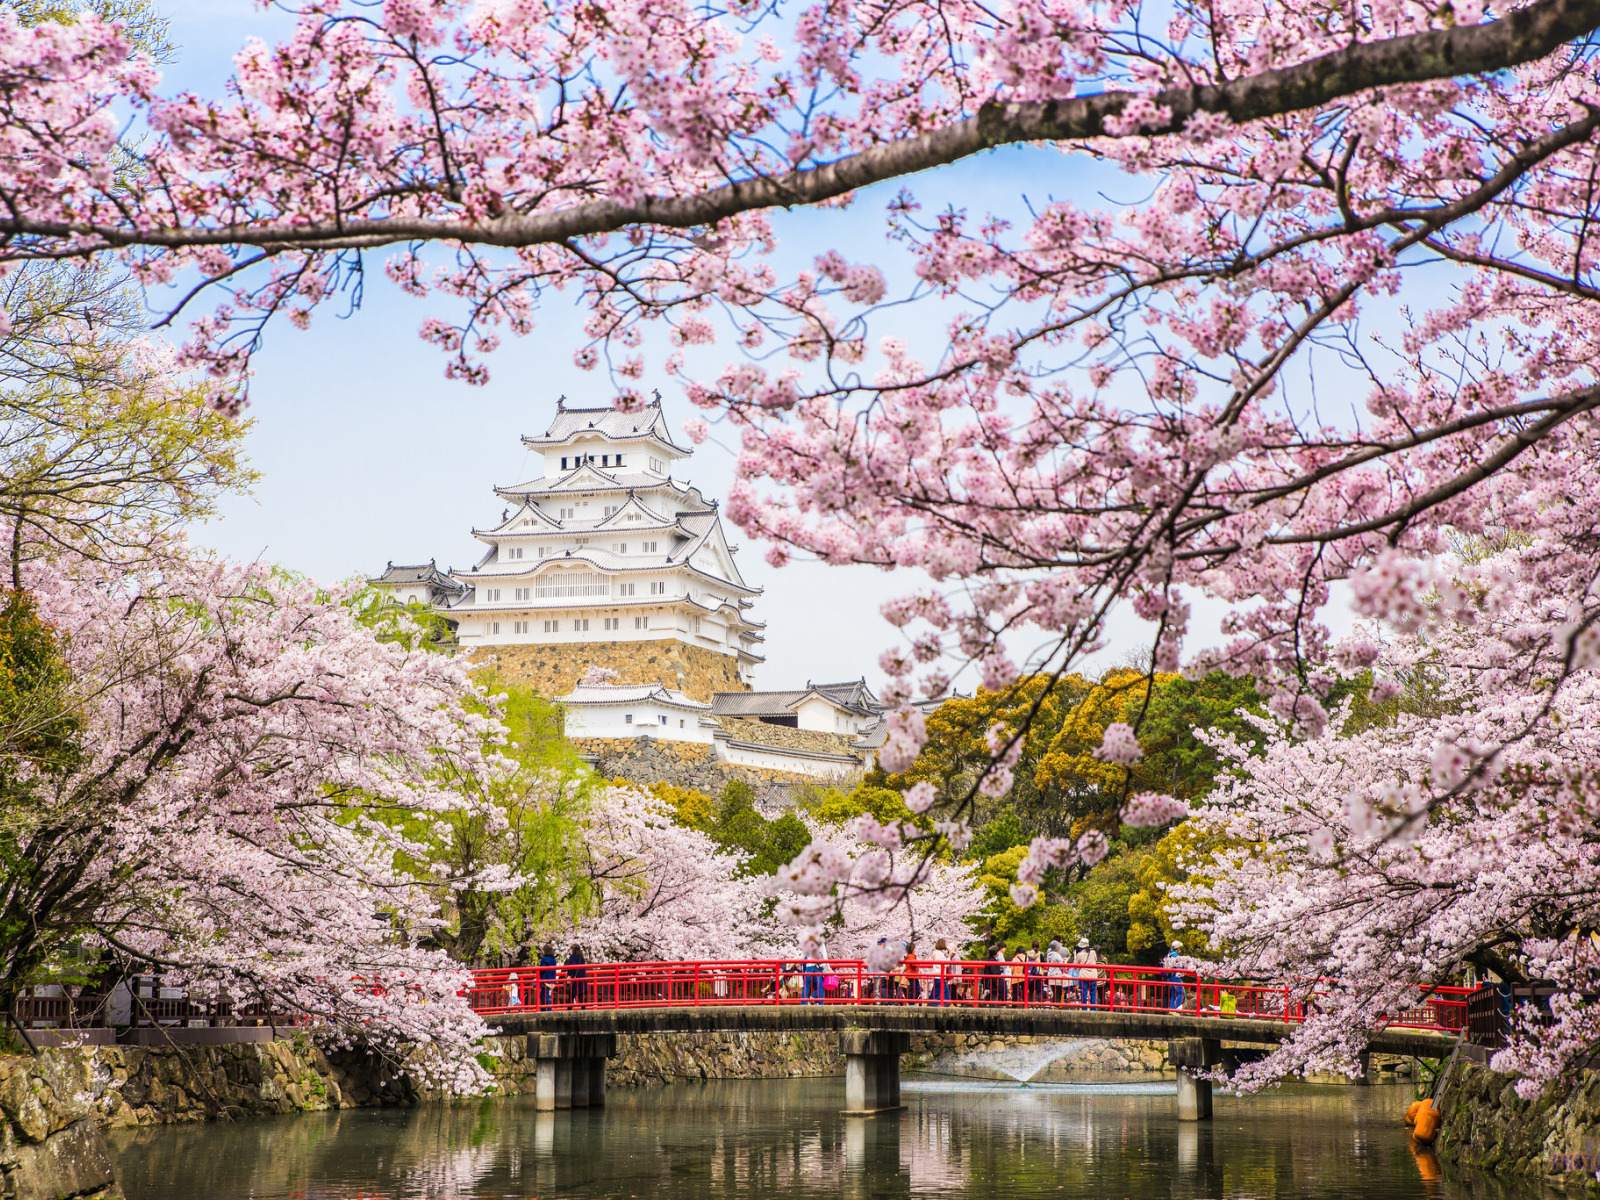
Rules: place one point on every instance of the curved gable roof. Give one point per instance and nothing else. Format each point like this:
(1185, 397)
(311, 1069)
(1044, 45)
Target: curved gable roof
(609, 423)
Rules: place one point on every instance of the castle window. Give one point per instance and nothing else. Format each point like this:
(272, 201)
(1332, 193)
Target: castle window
(656, 465)
(658, 589)
(641, 622)
(620, 547)
(492, 595)
(613, 622)
(627, 719)
(570, 583)
(541, 551)
(523, 594)
(581, 626)
(491, 626)
(519, 627)
(552, 626)
(563, 464)
(611, 510)
(663, 718)
(649, 547)
(626, 589)
(514, 552)
(567, 514)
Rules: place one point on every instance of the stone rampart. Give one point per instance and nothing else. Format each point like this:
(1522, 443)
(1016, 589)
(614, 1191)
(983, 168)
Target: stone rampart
(646, 760)
(1487, 1126)
(554, 670)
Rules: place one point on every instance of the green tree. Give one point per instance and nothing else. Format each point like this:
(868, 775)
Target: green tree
(1101, 902)
(834, 807)
(529, 823)
(102, 447)
(1002, 920)
(735, 823)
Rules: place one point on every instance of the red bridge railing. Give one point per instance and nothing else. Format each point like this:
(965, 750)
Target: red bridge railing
(1111, 988)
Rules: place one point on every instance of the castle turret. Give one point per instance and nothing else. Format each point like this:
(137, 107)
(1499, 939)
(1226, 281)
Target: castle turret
(605, 559)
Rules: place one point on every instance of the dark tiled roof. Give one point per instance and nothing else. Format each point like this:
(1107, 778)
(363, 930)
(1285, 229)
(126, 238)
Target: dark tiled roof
(427, 572)
(753, 704)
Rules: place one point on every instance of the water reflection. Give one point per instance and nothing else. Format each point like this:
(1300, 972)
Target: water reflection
(788, 1138)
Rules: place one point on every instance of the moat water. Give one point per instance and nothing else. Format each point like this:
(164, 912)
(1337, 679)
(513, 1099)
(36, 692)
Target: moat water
(787, 1138)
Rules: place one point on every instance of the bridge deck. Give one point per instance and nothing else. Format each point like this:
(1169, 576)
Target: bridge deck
(927, 1018)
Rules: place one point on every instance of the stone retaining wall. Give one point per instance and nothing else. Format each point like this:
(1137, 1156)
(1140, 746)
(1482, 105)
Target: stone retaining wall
(1040, 1059)
(1486, 1125)
(682, 1057)
(646, 760)
(554, 670)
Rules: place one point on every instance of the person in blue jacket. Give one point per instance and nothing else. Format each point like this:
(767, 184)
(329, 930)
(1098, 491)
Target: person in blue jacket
(547, 976)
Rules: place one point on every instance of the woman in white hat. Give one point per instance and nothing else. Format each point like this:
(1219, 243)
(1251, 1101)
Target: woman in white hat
(1087, 973)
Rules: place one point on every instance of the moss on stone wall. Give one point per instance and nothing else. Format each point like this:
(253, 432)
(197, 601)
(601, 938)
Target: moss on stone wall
(1486, 1125)
(554, 670)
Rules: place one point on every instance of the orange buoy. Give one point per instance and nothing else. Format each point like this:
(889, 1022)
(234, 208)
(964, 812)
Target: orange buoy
(1427, 1127)
(1416, 1107)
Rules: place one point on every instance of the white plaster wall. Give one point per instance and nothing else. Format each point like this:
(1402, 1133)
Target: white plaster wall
(610, 721)
(774, 760)
(816, 713)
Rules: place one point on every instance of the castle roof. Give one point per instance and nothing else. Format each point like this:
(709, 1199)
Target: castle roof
(609, 423)
(592, 479)
(853, 697)
(415, 573)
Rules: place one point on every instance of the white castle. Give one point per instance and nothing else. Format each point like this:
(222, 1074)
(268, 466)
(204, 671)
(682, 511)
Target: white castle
(605, 551)
(605, 546)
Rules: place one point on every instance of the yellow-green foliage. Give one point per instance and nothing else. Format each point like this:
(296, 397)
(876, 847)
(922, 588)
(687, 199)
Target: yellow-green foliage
(687, 806)
(1172, 860)
(834, 807)
(1018, 927)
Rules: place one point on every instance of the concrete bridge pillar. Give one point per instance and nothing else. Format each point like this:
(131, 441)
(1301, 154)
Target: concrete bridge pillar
(1191, 1056)
(570, 1068)
(872, 1069)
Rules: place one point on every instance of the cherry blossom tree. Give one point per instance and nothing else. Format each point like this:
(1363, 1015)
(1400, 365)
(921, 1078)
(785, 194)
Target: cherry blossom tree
(871, 881)
(1461, 833)
(1119, 414)
(662, 891)
(1124, 410)
(237, 748)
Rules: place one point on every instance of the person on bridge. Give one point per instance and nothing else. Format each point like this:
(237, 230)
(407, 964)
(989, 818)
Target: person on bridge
(812, 994)
(938, 968)
(1055, 973)
(547, 976)
(1087, 973)
(994, 972)
(578, 975)
(1174, 978)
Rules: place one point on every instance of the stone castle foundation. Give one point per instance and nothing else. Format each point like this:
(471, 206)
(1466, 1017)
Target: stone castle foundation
(554, 670)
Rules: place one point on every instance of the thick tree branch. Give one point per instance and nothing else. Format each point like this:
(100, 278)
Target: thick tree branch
(1523, 36)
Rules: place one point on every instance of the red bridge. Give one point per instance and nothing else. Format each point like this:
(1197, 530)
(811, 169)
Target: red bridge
(573, 1014)
(982, 985)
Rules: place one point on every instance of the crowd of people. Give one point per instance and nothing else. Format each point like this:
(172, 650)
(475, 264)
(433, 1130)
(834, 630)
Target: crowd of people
(1056, 974)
